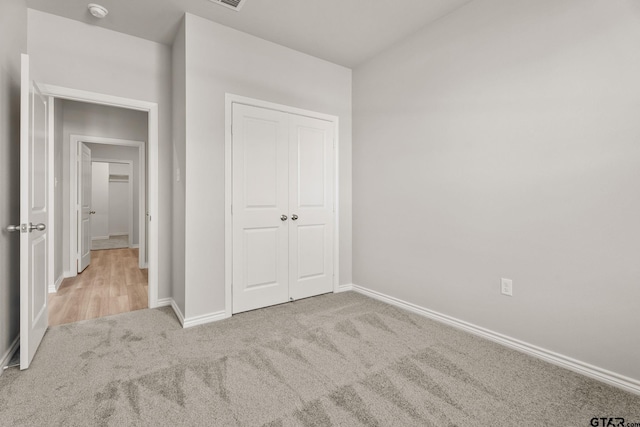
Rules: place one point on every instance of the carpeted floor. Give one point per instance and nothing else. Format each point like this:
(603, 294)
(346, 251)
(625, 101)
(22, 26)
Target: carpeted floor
(113, 242)
(339, 359)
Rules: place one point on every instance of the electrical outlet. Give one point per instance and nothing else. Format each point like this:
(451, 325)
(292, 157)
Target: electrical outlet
(506, 286)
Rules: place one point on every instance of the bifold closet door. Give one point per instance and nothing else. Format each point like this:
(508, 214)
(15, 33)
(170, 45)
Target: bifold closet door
(260, 207)
(311, 200)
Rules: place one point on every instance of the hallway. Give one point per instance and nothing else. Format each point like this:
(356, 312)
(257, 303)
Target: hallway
(111, 284)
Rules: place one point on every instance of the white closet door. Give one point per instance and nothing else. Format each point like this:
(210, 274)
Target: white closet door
(260, 208)
(311, 206)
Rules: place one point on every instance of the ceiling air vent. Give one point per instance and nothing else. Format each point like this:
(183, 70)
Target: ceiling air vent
(231, 4)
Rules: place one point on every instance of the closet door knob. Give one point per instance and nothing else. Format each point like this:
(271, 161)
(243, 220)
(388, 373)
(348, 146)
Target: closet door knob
(294, 217)
(283, 218)
(39, 227)
(92, 212)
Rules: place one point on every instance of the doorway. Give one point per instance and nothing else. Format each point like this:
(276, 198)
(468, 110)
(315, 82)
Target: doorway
(113, 204)
(89, 149)
(114, 278)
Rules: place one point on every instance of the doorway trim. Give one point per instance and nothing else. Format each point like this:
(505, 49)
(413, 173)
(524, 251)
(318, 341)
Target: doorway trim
(152, 164)
(130, 215)
(231, 99)
(74, 144)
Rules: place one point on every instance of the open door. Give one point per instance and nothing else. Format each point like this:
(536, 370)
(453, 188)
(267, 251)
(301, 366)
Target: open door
(85, 212)
(34, 210)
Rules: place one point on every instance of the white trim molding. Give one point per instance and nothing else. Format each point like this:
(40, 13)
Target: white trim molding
(164, 302)
(344, 288)
(178, 312)
(8, 355)
(196, 320)
(53, 288)
(205, 318)
(586, 369)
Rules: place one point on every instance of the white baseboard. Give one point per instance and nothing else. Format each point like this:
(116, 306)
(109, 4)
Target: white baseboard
(163, 302)
(119, 233)
(100, 238)
(6, 357)
(177, 311)
(628, 384)
(53, 288)
(68, 274)
(344, 288)
(136, 246)
(205, 318)
(197, 320)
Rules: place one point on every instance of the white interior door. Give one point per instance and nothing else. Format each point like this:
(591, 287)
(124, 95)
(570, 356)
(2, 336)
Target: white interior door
(100, 196)
(84, 211)
(34, 208)
(260, 208)
(311, 203)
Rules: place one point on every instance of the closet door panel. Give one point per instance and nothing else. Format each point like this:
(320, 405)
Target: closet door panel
(311, 186)
(260, 198)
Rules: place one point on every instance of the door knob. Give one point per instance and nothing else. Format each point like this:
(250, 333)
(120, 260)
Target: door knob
(294, 217)
(283, 218)
(39, 227)
(12, 228)
(92, 212)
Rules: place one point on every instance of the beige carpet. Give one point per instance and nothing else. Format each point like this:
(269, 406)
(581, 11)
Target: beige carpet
(343, 360)
(113, 242)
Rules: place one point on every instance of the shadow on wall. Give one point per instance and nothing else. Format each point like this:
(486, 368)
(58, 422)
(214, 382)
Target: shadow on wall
(13, 256)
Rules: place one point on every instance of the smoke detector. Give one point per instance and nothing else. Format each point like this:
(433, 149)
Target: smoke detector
(97, 10)
(231, 4)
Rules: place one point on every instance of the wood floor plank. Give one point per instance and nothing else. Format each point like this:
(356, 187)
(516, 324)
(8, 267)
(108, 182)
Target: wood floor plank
(111, 284)
(137, 297)
(119, 304)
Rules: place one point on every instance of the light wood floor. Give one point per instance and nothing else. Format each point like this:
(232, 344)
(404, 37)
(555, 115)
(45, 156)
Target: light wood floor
(111, 284)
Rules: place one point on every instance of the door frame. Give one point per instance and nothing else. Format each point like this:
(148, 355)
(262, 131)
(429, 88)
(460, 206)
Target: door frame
(231, 99)
(152, 164)
(74, 144)
(130, 196)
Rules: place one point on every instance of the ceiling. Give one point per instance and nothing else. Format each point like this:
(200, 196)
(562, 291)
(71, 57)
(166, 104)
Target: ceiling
(346, 32)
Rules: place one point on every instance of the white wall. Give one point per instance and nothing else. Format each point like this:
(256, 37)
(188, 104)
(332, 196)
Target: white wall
(219, 60)
(179, 166)
(13, 42)
(59, 254)
(119, 203)
(502, 141)
(76, 55)
(80, 118)
(100, 200)
(115, 152)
